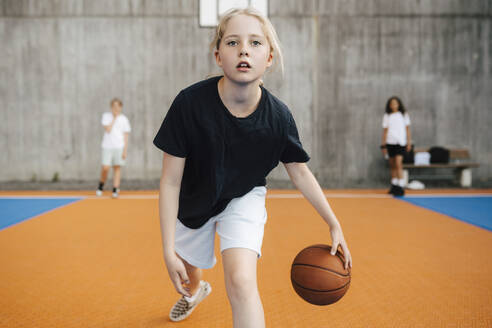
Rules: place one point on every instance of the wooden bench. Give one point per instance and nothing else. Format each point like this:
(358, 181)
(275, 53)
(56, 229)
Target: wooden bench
(459, 160)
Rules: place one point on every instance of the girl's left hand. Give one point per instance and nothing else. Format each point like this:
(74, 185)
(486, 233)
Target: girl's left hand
(409, 148)
(338, 240)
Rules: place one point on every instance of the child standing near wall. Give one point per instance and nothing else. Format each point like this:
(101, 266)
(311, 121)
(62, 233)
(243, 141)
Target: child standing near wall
(220, 138)
(114, 145)
(396, 140)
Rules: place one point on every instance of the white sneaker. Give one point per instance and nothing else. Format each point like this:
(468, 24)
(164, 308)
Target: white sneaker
(99, 193)
(183, 308)
(115, 193)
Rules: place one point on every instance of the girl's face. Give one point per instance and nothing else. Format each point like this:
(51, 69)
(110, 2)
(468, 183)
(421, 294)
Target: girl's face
(244, 52)
(394, 105)
(116, 108)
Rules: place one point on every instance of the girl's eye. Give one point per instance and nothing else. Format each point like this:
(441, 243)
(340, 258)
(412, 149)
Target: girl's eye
(256, 43)
(232, 43)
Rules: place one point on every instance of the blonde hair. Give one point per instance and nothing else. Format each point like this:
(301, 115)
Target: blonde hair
(266, 26)
(116, 100)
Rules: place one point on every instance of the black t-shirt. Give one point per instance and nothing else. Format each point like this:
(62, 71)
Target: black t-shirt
(226, 156)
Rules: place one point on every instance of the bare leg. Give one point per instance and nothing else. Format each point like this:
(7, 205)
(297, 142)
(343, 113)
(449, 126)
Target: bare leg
(194, 289)
(242, 289)
(194, 274)
(399, 166)
(104, 173)
(116, 176)
(393, 171)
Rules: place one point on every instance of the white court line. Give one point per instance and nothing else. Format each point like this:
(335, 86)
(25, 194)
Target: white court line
(129, 196)
(297, 196)
(447, 195)
(41, 197)
(272, 196)
(283, 196)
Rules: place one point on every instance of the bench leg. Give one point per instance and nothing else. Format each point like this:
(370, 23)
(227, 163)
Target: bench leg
(405, 177)
(466, 178)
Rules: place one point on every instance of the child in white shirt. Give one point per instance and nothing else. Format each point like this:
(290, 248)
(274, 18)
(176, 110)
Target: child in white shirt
(114, 145)
(396, 140)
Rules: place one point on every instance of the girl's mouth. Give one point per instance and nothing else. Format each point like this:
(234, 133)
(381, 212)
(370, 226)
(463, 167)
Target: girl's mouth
(243, 66)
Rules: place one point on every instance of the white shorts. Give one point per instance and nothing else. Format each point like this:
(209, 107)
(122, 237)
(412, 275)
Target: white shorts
(112, 157)
(239, 225)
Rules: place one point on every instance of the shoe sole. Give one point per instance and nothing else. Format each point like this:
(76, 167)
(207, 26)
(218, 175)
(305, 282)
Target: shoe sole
(208, 291)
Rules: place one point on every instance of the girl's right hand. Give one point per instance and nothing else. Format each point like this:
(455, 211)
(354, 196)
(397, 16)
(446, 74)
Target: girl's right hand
(177, 273)
(385, 153)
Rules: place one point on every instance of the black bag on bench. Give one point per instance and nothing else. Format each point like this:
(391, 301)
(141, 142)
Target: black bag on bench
(439, 155)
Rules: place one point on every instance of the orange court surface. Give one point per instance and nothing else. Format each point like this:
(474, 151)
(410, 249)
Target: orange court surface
(97, 262)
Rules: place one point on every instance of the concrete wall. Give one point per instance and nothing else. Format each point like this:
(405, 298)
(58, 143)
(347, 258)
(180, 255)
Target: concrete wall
(62, 61)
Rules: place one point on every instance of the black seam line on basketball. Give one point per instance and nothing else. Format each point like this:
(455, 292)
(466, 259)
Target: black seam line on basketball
(336, 254)
(319, 267)
(320, 290)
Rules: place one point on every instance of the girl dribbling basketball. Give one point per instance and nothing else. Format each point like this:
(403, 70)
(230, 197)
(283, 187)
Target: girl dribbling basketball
(220, 138)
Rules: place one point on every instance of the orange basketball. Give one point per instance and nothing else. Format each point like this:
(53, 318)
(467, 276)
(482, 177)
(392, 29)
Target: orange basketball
(319, 277)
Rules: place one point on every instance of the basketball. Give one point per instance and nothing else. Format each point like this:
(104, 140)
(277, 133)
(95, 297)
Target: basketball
(319, 277)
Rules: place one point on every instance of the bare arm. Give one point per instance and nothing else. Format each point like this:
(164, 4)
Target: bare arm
(125, 147)
(110, 126)
(305, 181)
(409, 138)
(170, 186)
(385, 134)
(383, 141)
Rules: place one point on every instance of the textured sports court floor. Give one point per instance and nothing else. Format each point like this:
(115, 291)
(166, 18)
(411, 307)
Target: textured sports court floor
(73, 260)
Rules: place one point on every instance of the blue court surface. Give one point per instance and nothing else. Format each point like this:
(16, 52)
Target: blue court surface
(474, 210)
(14, 210)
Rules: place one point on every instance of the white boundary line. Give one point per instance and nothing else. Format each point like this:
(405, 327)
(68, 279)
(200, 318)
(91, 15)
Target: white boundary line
(447, 195)
(272, 196)
(344, 195)
(41, 197)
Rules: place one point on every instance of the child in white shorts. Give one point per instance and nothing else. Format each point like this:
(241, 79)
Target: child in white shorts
(114, 145)
(240, 225)
(221, 137)
(112, 157)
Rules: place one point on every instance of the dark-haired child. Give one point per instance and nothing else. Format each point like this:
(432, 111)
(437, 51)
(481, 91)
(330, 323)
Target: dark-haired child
(396, 140)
